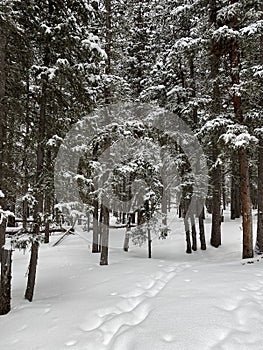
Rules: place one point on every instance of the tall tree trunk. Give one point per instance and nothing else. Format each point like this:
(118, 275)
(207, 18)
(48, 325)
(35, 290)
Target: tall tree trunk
(127, 235)
(105, 236)
(3, 76)
(259, 243)
(216, 210)
(32, 267)
(187, 235)
(41, 149)
(149, 242)
(234, 57)
(41, 136)
(202, 229)
(246, 205)
(95, 230)
(215, 111)
(48, 195)
(193, 229)
(164, 199)
(5, 286)
(235, 209)
(2, 233)
(108, 14)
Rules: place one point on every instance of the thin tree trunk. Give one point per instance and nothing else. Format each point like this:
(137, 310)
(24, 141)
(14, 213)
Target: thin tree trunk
(187, 235)
(149, 242)
(216, 211)
(202, 229)
(246, 205)
(105, 237)
(234, 57)
(164, 203)
(259, 243)
(47, 219)
(25, 214)
(3, 49)
(235, 190)
(194, 242)
(2, 233)
(95, 242)
(32, 267)
(41, 149)
(5, 287)
(108, 14)
(215, 111)
(127, 235)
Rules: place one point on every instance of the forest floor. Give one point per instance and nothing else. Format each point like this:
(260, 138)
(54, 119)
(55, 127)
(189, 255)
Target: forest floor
(207, 300)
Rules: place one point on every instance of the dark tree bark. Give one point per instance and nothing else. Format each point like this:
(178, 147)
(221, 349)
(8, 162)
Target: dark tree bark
(127, 235)
(5, 287)
(187, 235)
(215, 111)
(3, 77)
(108, 45)
(105, 236)
(32, 267)
(95, 239)
(235, 190)
(25, 214)
(259, 243)
(234, 58)
(246, 205)
(149, 242)
(216, 209)
(202, 229)
(48, 195)
(193, 230)
(164, 201)
(2, 234)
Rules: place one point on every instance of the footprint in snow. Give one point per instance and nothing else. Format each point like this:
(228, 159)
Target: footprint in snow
(71, 343)
(168, 338)
(132, 310)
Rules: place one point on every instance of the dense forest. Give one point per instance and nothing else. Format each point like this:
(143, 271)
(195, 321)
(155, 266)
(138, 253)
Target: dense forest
(65, 62)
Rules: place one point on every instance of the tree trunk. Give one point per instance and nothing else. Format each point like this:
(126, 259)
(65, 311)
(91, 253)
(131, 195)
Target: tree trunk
(149, 242)
(5, 288)
(194, 243)
(105, 236)
(41, 149)
(25, 214)
(95, 239)
(259, 243)
(246, 205)
(202, 230)
(127, 235)
(32, 267)
(47, 219)
(187, 235)
(216, 209)
(2, 233)
(234, 57)
(235, 190)
(164, 203)
(108, 14)
(3, 48)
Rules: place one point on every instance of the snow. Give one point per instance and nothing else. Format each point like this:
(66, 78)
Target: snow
(207, 300)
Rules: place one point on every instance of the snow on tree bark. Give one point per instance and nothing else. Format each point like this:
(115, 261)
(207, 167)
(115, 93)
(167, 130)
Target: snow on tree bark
(5, 285)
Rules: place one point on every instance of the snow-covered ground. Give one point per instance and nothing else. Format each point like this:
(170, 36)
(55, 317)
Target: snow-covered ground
(206, 300)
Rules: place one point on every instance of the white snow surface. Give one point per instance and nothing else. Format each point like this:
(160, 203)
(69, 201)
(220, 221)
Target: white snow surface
(207, 300)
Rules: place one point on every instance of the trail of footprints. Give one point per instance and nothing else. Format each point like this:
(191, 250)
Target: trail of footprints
(134, 307)
(245, 308)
